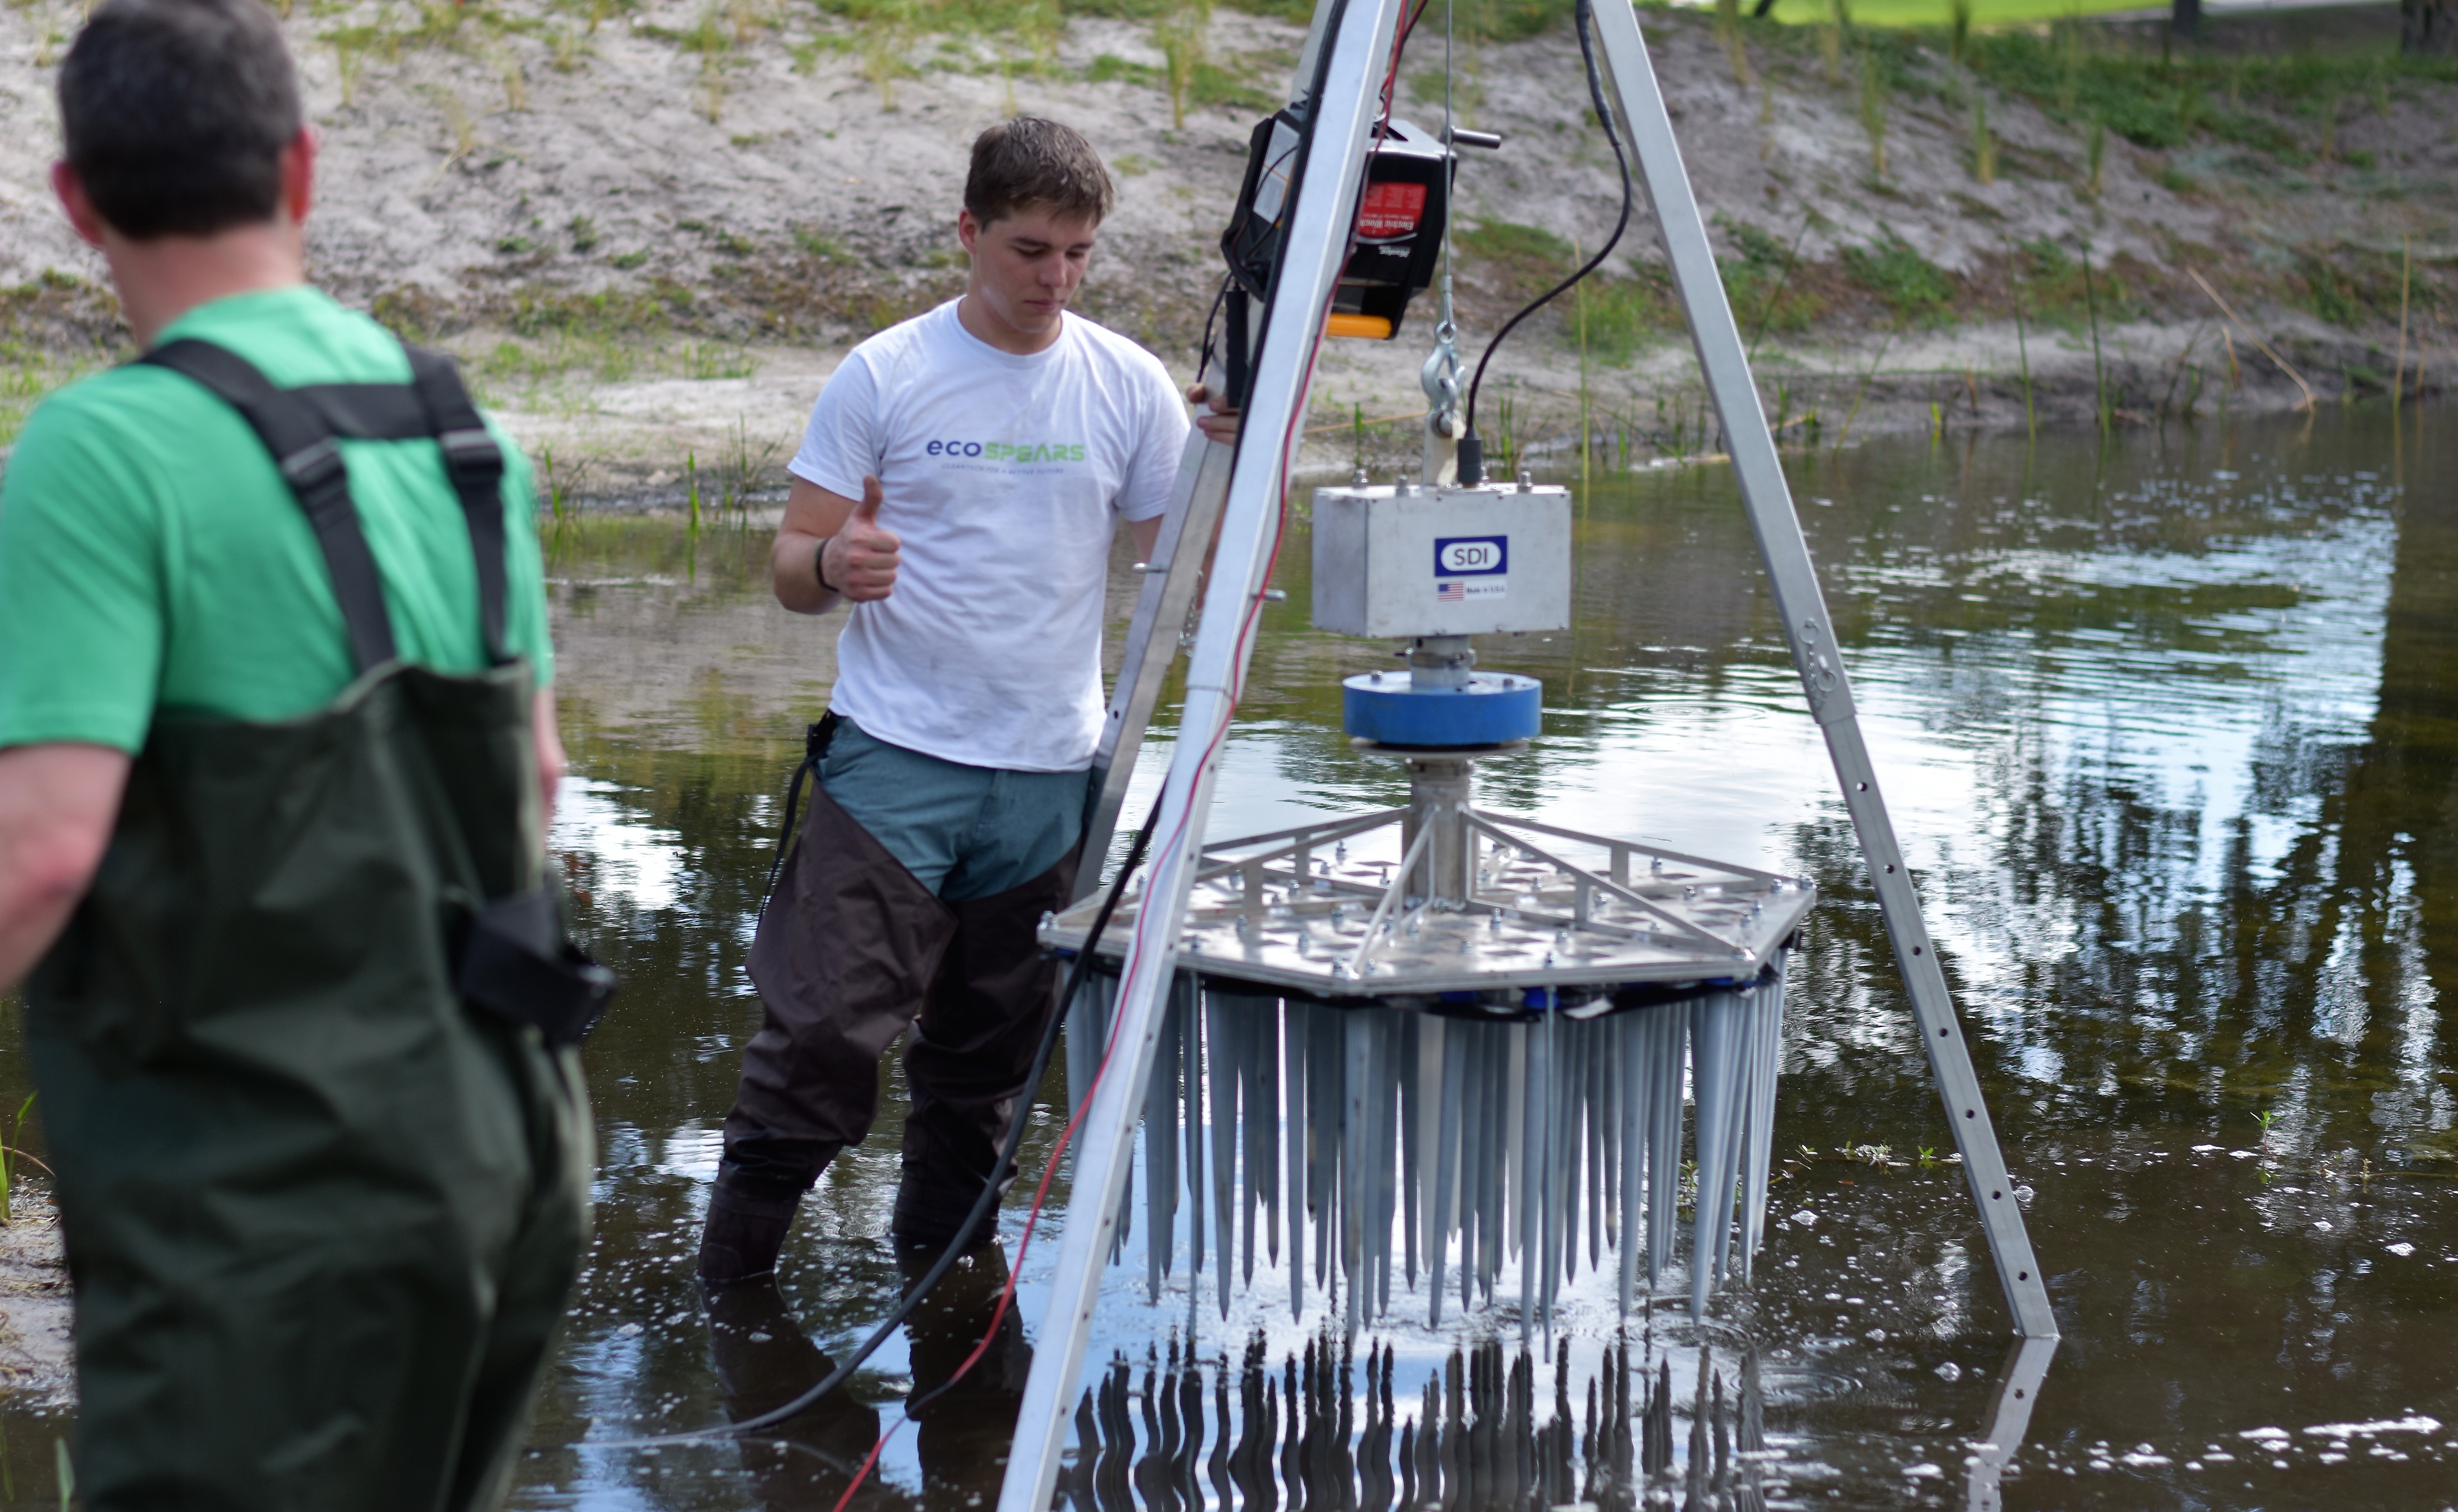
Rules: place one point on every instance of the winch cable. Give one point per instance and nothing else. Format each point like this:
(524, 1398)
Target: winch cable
(1400, 45)
(1438, 377)
(957, 1246)
(1586, 24)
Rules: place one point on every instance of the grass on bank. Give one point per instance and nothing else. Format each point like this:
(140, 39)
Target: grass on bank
(1875, 13)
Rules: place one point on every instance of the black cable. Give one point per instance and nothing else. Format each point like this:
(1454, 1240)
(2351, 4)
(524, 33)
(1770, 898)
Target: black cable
(1203, 351)
(982, 1205)
(1586, 17)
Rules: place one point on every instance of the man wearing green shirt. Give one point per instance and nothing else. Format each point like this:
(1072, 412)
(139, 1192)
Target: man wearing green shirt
(263, 804)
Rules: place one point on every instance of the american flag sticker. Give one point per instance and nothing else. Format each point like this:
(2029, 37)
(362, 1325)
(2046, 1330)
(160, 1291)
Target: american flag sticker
(1450, 592)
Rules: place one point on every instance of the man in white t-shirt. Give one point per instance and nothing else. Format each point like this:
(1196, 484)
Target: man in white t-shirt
(960, 483)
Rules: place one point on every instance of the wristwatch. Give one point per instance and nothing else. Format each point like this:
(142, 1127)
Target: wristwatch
(820, 566)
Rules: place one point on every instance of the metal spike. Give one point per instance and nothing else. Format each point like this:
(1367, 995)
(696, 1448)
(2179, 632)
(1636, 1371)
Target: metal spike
(1664, 1137)
(1502, 1062)
(1263, 1155)
(1476, 1153)
(1711, 1082)
(1294, 1123)
(1449, 1044)
(1736, 1113)
(1398, 1061)
(1420, 1058)
(1326, 1091)
(1088, 1028)
(1361, 1095)
(1374, 1163)
(1548, 1190)
(1479, 1158)
(1534, 1083)
(1225, 1041)
(1634, 1042)
(1191, 1047)
(1615, 1133)
(1088, 1034)
(1160, 1150)
(1553, 1193)
(1597, 1065)
(1512, 1201)
(1767, 1043)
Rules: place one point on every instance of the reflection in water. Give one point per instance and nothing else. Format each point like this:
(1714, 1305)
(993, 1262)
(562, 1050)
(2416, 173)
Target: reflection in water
(963, 1423)
(763, 1361)
(2170, 729)
(1320, 1429)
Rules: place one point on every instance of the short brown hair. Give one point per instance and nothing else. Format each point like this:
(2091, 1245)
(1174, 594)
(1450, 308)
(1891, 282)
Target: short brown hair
(1029, 163)
(175, 112)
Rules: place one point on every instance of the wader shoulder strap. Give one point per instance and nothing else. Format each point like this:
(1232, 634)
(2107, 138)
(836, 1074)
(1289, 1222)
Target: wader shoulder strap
(299, 426)
(303, 446)
(476, 465)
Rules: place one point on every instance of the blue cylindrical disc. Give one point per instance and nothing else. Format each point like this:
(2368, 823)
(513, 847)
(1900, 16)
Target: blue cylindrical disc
(1496, 707)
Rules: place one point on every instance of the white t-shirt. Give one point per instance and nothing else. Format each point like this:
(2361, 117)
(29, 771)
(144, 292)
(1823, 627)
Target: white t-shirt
(1004, 477)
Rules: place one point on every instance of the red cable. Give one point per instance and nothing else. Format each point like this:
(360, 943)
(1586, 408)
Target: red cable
(1067, 1135)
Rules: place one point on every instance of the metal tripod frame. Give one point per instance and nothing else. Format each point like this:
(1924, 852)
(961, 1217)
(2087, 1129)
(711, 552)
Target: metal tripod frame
(1243, 495)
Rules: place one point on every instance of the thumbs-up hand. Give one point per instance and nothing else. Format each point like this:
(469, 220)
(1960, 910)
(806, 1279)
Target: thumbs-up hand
(859, 562)
(1214, 415)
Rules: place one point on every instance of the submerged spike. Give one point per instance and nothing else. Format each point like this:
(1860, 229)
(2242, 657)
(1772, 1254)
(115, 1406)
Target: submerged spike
(1417, 1146)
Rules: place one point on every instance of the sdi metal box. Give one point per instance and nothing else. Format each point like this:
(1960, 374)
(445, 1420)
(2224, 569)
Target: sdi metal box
(1441, 561)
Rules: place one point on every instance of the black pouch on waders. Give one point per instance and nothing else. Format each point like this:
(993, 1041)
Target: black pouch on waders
(400, 824)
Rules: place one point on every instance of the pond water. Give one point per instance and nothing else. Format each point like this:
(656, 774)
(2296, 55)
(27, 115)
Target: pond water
(2169, 727)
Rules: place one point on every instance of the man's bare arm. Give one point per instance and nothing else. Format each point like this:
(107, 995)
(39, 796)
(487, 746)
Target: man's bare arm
(862, 558)
(58, 803)
(546, 746)
(1219, 426)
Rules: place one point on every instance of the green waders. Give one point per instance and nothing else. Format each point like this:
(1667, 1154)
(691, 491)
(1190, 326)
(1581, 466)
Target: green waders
(306, 1056)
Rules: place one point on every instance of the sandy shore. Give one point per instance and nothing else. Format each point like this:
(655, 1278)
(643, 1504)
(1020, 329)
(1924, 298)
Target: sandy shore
(654, 235)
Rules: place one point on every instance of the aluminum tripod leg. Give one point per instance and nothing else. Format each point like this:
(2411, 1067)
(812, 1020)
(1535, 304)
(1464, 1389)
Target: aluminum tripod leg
(1325, 185)
(2010, 1417)
(1170, 581)
(1768, 500)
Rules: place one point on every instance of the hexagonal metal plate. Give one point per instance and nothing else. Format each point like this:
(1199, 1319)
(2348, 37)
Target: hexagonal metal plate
(1548, 910)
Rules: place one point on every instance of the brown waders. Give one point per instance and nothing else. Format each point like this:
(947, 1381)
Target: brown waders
(852, 951)
(305, 1054)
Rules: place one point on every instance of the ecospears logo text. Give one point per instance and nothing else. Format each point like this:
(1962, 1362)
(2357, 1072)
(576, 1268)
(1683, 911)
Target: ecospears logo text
(1009, 450)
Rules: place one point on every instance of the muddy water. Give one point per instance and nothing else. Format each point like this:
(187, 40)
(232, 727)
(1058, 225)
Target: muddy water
(2170, 729)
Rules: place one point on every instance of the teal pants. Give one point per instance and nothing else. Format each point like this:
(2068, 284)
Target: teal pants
(964, 832)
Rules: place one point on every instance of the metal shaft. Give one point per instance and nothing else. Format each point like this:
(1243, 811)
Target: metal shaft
(1441, 794)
